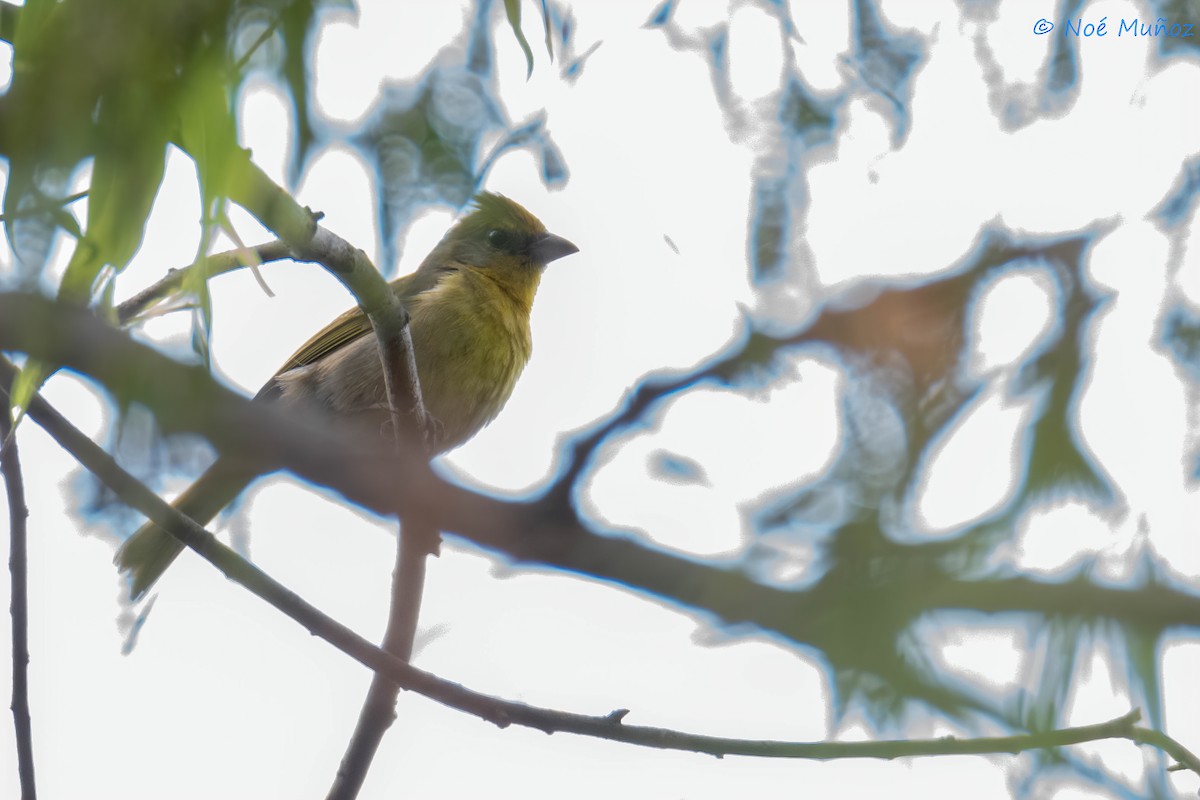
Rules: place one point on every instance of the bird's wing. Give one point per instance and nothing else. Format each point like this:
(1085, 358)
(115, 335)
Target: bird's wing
(348, 326)
(353, 324)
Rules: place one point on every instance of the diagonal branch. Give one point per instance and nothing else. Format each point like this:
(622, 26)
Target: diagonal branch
(185, 398)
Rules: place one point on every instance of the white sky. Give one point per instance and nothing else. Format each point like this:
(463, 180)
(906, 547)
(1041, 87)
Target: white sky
(222, 698)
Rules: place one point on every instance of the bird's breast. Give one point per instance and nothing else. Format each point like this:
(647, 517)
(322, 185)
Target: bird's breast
(471, 342)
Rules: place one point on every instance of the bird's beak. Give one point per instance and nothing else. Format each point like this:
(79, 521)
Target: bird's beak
(548, 247)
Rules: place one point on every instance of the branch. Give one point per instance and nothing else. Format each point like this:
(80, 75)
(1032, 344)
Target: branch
(185, 398)
(379, 708)
(1185, 759)
(214, 265)
(389, 322)
(920, 321)
(297, 227)
(542, 532)
(415, 540)
(503, 712)
(18, 565)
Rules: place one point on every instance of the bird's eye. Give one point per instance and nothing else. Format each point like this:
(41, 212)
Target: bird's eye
(499, 239)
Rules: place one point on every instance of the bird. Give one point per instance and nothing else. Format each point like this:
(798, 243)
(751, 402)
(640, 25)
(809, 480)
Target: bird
(468, 304)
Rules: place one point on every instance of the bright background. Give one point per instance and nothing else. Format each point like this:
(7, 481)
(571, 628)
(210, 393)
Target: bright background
(223, 698)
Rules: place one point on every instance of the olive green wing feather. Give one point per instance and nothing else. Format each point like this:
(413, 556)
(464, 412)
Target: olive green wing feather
(351, 325)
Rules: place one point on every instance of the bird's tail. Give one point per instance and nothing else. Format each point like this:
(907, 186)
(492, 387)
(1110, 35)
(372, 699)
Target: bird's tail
(148, 553)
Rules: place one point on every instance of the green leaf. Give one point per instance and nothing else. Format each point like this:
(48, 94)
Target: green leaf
(513, 8)
(32, 25)
(546, 25)
(202, 327)
(208, 131)
(66, 220)
(296, 20)
(27, 383)
(124, 184)
(34, 211)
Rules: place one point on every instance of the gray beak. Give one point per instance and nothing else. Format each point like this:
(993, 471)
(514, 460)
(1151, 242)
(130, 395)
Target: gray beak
(548, 247)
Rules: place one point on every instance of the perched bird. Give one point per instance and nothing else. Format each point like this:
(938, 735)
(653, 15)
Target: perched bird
(468, 305)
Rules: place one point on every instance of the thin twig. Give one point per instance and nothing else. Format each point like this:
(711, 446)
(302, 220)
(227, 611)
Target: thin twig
(1185, 759)
(18, 566)
(267, 33)
(503, 712)
(389, 322)
(217, 264)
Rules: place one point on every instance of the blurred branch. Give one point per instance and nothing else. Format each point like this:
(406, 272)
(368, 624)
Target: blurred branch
(236, 568)
(18, 565)
(920, 323)
(542, 532)
(504, 713)
(1184, 758)
(186, 398)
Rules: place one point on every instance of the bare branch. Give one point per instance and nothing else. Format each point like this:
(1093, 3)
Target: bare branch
(379, 707)
(18, 565)
(1185, 758)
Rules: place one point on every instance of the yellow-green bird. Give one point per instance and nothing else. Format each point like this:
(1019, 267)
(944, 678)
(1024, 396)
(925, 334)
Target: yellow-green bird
(468, 305)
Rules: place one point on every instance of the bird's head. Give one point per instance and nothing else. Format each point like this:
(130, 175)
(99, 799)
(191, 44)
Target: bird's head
(500, 236)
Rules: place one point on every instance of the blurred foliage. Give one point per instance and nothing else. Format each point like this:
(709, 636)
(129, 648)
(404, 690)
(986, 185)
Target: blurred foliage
(174, 82)
(121, 113)
(423, 138)
(874, 589)
(872, 593)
